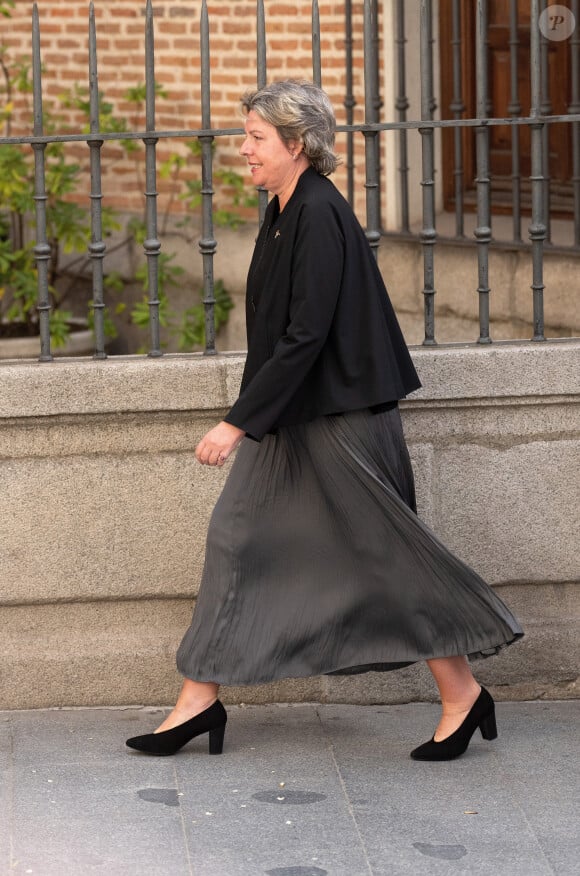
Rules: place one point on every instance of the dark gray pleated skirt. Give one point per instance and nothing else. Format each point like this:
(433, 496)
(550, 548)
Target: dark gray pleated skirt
(316, 563)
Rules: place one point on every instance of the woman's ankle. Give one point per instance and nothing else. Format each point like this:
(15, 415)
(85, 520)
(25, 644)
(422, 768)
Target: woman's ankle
(194, 705)
(197, 694)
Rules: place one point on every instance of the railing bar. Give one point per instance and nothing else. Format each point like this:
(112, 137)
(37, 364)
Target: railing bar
(41, 249)
(514, 109)
(430, 42)
(373, 230)
(537, 229)
(207, 244)
(261, 45)
(458, 108)
(483, 230)
(183, 134)
(261, 80)
(152, 244)
(97, 246)
(506, 245)
(402, 105)
(375, 40)
(316, 59)
(428, 233)
(545, 107)
(349, 101)
(538, 121)
(574, 108)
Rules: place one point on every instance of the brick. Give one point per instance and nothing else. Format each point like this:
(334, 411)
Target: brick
(191, 78)
(184, 109)
(158, 12)
(127, 45)
(12, 43)
(284, 9)
(333, 27)
(276, 27)
(182, 12)
(298, 27)
(246, 9)
(222, 44)
(170, 27)
(116, 62)
(61, 12)
(186, 45)
(212, 9)
(248, 46)
(68, 75)
(54, 58)
(124, 107)
(178, 61)
(51, 89)
(21, 27)
(47, 27)
(238, 62)
(122, 12)
(236, 27)
(285, 45)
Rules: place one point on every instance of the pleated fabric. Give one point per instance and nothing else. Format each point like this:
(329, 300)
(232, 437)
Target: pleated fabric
(316, 563)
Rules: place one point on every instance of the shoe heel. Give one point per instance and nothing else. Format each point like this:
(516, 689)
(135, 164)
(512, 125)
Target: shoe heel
(488, 726)
(216, 739)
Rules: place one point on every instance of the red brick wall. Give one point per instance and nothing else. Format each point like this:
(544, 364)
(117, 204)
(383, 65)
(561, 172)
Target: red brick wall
(120, 35)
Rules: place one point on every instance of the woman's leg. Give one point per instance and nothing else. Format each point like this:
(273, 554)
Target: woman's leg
(458, 690)
(195, 697)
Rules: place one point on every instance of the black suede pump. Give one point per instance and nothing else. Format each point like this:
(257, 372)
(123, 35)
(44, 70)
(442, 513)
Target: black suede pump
(481, 714)
(212, 721)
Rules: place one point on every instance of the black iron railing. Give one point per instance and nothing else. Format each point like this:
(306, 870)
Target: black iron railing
(538, 121)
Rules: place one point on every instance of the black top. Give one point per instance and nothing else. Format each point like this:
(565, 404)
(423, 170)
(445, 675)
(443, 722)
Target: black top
(322, 334)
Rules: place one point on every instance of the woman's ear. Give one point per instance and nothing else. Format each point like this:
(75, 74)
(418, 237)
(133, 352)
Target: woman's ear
(295, 147)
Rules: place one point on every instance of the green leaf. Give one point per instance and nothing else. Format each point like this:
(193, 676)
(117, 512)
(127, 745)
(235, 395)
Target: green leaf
(114, 281)
(140, 313)
(59, 327)
(192, 327)
(5, 8)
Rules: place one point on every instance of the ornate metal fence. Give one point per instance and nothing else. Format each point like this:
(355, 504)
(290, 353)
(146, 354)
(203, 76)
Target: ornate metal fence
(372, 128)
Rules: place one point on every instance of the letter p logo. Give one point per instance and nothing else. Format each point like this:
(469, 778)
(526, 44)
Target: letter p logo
(557, 23)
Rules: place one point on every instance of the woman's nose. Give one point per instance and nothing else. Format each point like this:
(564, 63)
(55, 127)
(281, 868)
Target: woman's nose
(244, 147)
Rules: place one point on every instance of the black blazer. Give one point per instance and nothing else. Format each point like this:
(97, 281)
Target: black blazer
(322, 334)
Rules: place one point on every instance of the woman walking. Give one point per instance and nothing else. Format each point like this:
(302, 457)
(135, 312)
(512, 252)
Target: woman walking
(316, 562)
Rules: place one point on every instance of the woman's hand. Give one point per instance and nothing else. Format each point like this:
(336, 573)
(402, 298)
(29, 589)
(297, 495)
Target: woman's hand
(217, 444)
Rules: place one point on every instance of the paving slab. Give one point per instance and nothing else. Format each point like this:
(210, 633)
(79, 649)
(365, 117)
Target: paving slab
(543, 774)
(437, 818)
(288, 799)
(301, 790)
(6, 782)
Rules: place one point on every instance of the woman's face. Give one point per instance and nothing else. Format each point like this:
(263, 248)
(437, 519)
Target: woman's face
(271, 160)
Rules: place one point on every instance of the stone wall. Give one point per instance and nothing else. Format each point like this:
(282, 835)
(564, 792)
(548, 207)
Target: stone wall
(104, 512)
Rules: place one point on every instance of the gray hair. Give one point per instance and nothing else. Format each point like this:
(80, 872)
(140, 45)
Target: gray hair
(300, 111)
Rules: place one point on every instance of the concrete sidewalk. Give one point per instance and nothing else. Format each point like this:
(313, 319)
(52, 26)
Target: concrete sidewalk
(301, 790)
